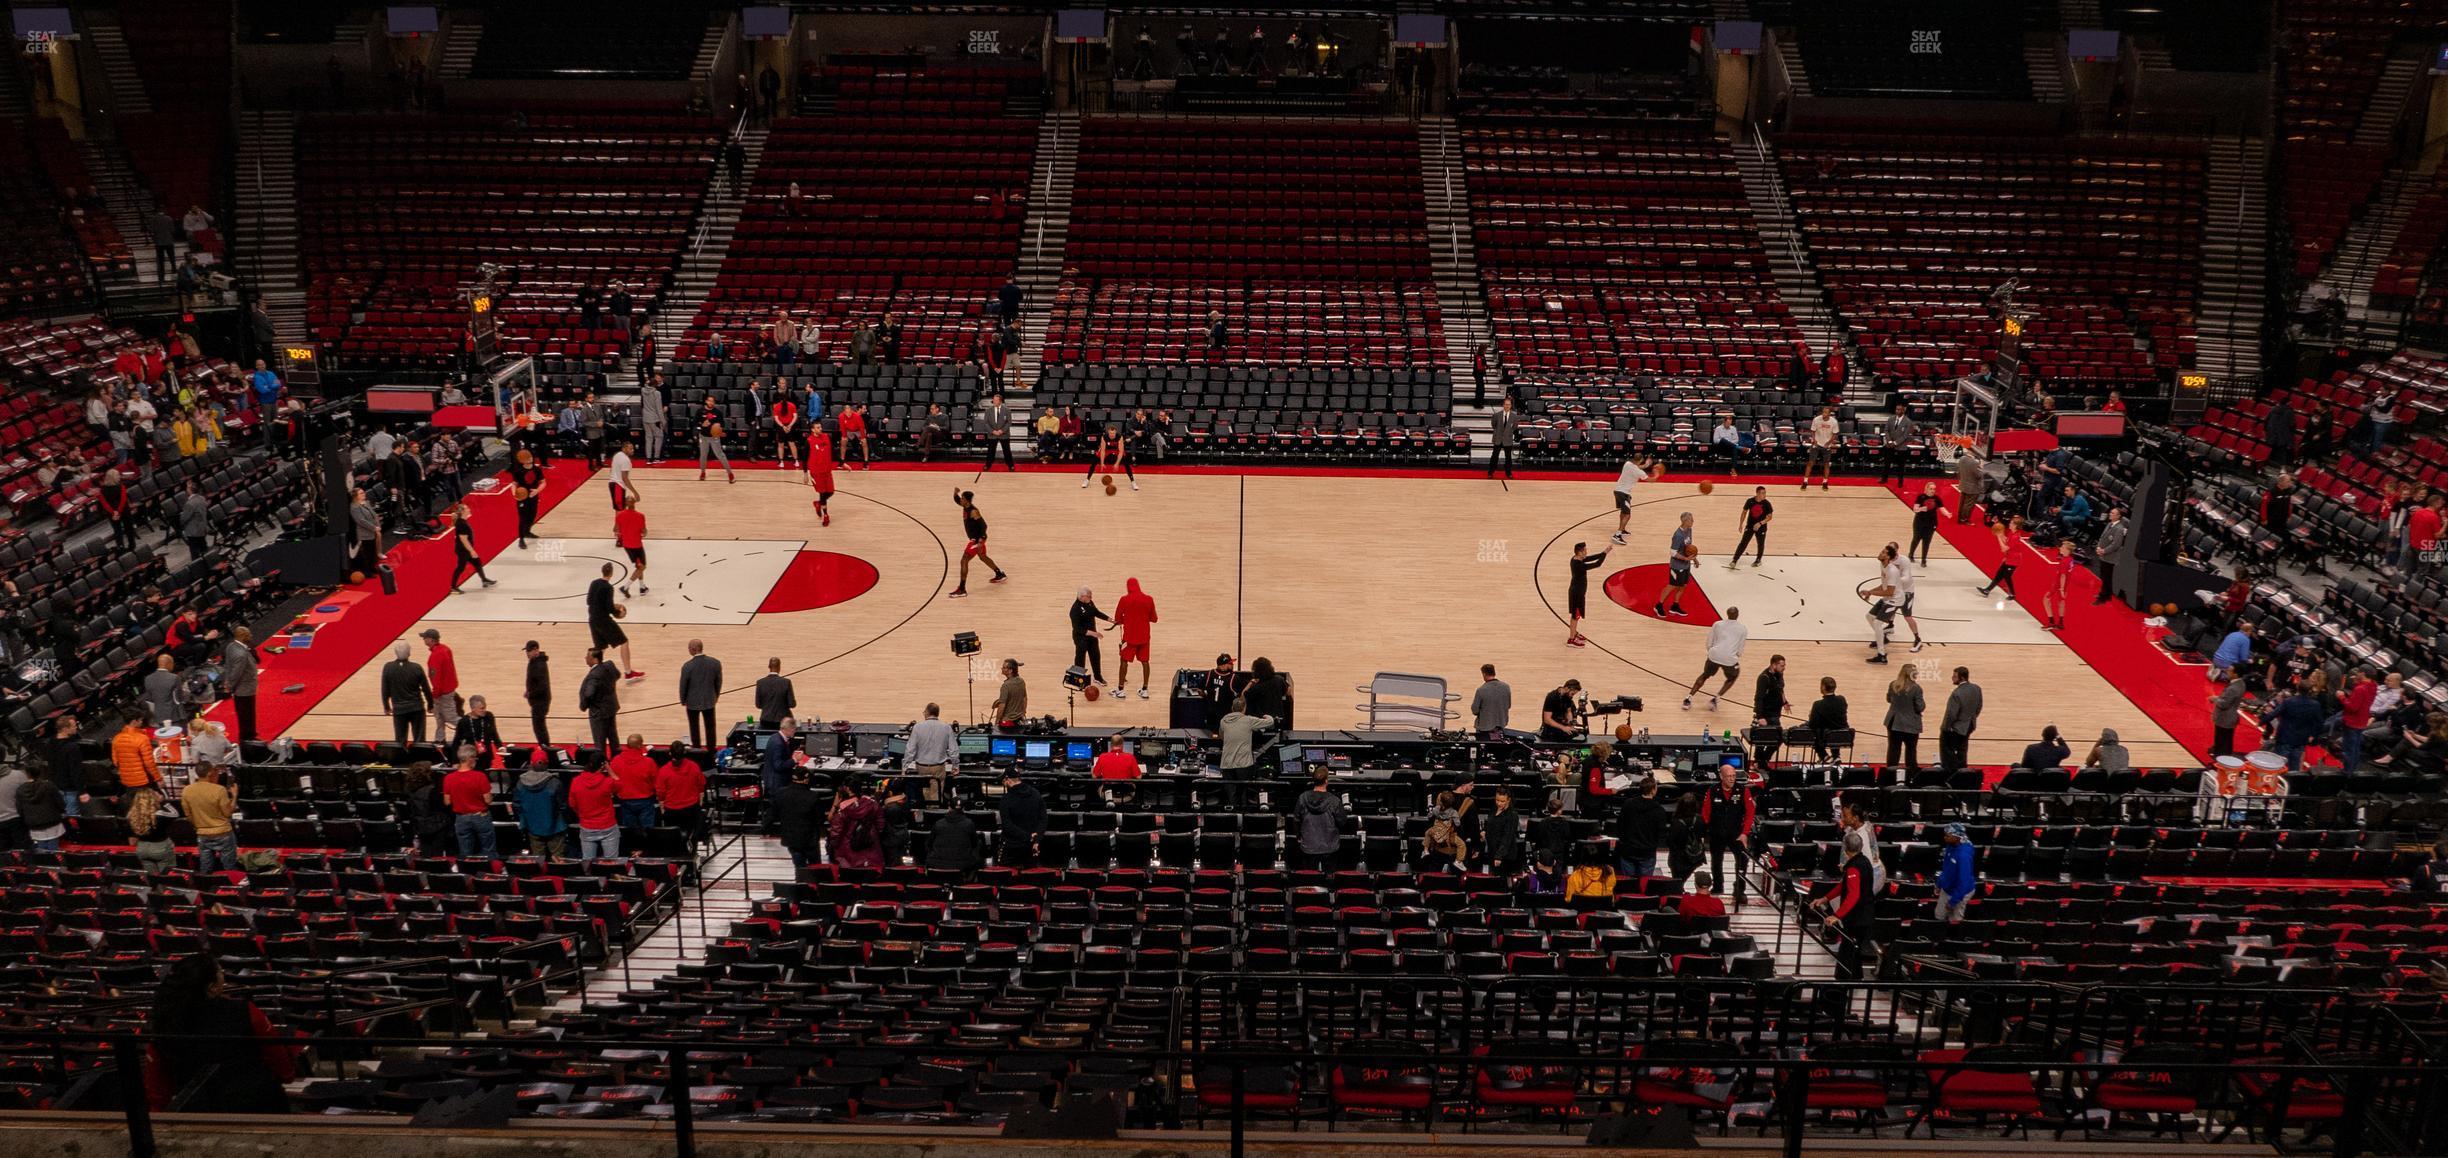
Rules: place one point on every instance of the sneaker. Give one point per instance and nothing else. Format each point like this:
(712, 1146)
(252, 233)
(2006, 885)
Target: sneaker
(456, 591)
(522, 544)
(1577, 641)
(958, 593)
(635, 675)
(998, 577)
(1687, 703)
(701, 476)
(824, 518)
(1658, 609)
(492, 582)
(1755, 563)
(1823, 485)
(1617, 538)
(1733, 563)
(730, 478)
(1712, 703)
(1143, 693)
(1084, 483)
(624, 591)
(642, 589)
(1677, 611)
(1880, 658)
(1916, 645)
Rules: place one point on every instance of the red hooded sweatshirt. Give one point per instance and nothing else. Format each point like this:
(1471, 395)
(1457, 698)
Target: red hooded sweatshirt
(1135, 612)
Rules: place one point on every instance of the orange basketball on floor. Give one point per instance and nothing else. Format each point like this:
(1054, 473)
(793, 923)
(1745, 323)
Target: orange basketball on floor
(1089, 693)
(1707, 487)
(1109, 487)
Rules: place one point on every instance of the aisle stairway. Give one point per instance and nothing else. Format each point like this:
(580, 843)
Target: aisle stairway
(114, 177)
(1043, 237)
(1789, 259)
(264, 238)
(1454, 258)
(2235, 240)
(717, 222)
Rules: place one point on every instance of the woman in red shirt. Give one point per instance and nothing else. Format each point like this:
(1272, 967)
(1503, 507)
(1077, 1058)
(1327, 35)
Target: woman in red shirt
(786, 429)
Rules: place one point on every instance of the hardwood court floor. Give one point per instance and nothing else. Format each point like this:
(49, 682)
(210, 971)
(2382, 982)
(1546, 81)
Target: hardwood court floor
(1333, 577)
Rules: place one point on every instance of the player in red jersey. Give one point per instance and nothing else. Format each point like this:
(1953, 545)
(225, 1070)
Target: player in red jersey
(629, 530)
(1135, 612)
(820, 471)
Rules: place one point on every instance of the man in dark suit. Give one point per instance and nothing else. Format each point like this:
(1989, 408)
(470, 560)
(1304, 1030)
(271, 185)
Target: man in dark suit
(599, 698)
(539, 691)
(405, 694)
(775, 698)
(700, 687)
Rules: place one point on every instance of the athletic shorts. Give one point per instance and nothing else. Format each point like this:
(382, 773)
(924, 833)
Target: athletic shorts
(1678, 575)
(606, 632)
(1577, 602)
(1712, 667)
(1905, 607)
(1623, 501)
(975, 548)
(1134, 651)
(637, 555)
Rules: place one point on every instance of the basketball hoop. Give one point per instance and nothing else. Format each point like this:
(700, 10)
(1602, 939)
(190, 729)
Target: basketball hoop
(1951, 447)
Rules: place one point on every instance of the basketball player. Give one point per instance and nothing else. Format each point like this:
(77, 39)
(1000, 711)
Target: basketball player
(623, 487)
(1576, 594)
(1726, 638)
(629, 531)
(710, 440)
(1895, 585)
(1756, 512)
(854, 434)
(1136, 613)
(1680, 551)
(1631, 473)
(2056, 567)
(1112, 452)
(786, 426)
(820, 471)
(2008, 533)
(973, 526)
(603, 625)
(526, 485)
(463, 547)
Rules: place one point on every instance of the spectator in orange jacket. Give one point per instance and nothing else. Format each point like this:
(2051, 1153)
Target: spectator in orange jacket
(132, 753)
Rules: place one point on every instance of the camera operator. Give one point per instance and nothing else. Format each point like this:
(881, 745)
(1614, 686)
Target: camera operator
(1560, 717)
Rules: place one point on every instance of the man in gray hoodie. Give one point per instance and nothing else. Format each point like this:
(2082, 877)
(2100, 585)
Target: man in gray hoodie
(1317, 819)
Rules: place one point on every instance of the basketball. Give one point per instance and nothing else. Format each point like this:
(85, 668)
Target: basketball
(1089, 693)
(1109, 486)
(518, 492)
(1707, 487)
(620, 611)
(1692, 550)
(356, 576)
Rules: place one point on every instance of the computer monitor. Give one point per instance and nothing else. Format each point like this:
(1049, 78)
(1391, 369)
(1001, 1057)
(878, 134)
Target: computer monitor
(824, 745)
(1037, 754)
(1002, 750)
(1290, 756)
(1313, 755)
(869, 746)
(973, 743)
(1079, 753)
(895, 746)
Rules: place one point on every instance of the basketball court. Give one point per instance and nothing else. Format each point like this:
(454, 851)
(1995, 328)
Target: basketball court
(1332, 576)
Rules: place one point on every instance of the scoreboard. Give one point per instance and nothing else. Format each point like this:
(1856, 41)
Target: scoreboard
(302, 367)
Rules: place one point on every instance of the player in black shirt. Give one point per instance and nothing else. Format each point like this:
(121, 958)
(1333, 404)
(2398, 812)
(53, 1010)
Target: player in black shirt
(526, 485)
(973, 527)
(1755, 515)
(1576, 596)
(603, 620)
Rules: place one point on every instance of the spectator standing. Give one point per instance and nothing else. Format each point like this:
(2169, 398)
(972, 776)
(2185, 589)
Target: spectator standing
(1962, 718)
(933, 753)
(680, 792)
(150, 835)
(1491, 704)
(132, 753)
(542, 803)
(160, 690)
(406, 693)
(652, 417)
(1010, 704)
(1895, 445)
(42, 808)
(1851, 910)
(799, 818)
(442, 674)
(1504, 437)
(539, 691)
(2355, 715)
(1640, 826)
(591, 799)
(1727, 813)
(468, 792)
(700, 688)
(1501, 836)
(208, 802)
(1237, 759)
(599, 698)
(633, 791)
(429, 815)
(1317, 824)
(13, 828)
(1957, 878)
(194, 520)
(775, 698)
(239, 675)
(779, 755)
(2294, 723)
(1904, 706)
(952, 845)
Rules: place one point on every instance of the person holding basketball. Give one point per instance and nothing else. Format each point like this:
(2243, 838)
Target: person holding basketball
(603, 620)
(710, 440)
(973, 525)
(1136, 611)
(1112, 453)
(1576, 594)
(629, 532)
(854, 434)
(1680, 551)
(1633, 471)
(820, 471)
(526, 488)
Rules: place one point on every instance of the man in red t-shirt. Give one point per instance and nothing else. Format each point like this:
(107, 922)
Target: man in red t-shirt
(591, 800)
(633, 780)
(629, 530)
(853, 423)
(1135, 613)
(680, 791)
(468, 790)
(1116, 764)
(442, 671)
(2423, 532)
